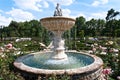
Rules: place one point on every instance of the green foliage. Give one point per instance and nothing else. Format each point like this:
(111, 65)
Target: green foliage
(80, 25)
(111, 24)
(31, 29)
(111, 14)
(81, 34)
(117, 32)
(6, 67)
(113, 61)
(93, 27)
(82, 46)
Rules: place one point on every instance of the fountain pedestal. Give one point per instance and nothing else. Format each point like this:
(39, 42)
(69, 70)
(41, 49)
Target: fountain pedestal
(58, 43)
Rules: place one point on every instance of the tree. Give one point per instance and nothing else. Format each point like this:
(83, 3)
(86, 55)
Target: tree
(81, 34)
(111, 14)
(110, 18)
(13, 29)
(91, 27)
(80, 24)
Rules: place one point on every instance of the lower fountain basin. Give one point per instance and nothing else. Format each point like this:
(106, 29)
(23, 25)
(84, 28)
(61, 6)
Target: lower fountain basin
(81, 66)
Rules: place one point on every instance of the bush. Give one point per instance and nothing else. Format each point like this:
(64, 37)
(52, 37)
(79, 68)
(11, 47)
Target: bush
(7, 68)
(112, 61)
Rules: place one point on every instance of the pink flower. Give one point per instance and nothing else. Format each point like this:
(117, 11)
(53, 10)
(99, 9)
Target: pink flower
(118, 77)
(9, 46)
(106, 71)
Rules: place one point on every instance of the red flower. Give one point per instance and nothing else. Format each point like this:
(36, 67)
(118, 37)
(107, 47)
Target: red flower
(106, 71)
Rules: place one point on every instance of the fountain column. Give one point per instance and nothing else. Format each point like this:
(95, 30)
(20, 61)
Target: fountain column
(58, 44)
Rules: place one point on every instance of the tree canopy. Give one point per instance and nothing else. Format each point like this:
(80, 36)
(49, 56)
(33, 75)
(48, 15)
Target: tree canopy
(93, 27)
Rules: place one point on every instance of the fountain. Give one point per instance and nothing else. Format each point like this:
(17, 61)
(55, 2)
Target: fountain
(58, 25)
(57, 61)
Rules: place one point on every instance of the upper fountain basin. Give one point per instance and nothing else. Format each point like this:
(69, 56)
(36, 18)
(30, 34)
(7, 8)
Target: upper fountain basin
(57, 23)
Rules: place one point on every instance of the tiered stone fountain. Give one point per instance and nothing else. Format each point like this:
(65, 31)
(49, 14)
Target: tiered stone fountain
(58, 25)
(77, 65)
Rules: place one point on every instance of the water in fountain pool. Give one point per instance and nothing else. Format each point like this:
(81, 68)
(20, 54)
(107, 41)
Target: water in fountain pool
(44, 61)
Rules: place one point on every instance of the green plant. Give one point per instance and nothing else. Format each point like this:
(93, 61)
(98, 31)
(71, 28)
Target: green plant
(7, 68)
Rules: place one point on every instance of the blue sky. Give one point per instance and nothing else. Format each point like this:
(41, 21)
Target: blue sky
(25, 10)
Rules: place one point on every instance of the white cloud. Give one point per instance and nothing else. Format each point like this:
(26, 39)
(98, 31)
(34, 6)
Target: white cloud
(104, 1)
(78, 15)
(4, 20)
(95, 3)
(81, 14)
(66, 12)
(20, 15)
(99, 15)
(99, 2)
(46, 5)
(62, 2)
(31, 4)
(1, 11)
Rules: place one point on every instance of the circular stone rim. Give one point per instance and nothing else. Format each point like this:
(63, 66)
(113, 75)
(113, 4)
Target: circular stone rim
(97, 64)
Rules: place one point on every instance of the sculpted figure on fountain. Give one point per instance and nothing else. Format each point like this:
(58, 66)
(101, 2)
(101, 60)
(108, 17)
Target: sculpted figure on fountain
(58, 11)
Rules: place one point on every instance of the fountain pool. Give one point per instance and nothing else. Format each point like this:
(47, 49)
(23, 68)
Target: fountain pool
(43, 61)
(79, 65)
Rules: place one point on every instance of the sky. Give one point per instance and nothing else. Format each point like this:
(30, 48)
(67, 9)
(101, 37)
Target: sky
(26, 10)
